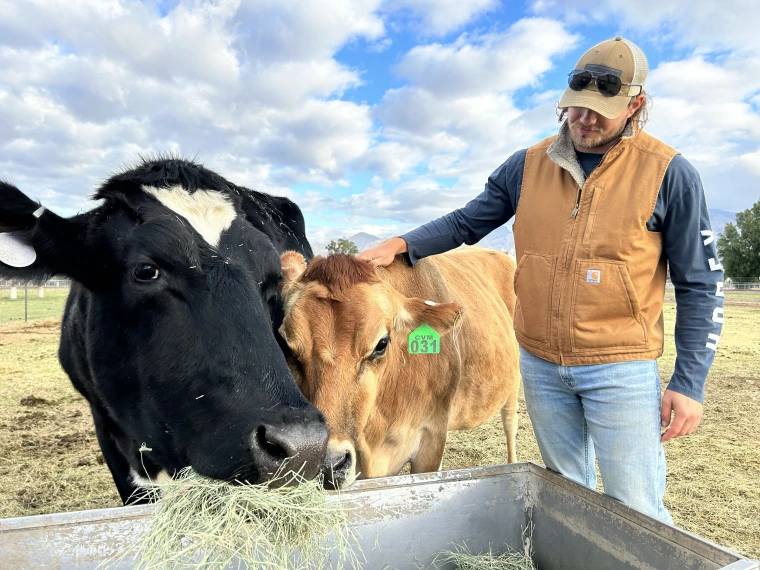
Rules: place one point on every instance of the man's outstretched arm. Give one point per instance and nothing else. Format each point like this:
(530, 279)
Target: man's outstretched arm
(493, 207)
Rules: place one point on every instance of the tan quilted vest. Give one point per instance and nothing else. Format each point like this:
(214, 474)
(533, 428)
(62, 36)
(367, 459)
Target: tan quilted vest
(590, 278)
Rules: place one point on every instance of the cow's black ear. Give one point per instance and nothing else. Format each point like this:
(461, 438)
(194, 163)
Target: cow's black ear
(37, 243)
(17, 210)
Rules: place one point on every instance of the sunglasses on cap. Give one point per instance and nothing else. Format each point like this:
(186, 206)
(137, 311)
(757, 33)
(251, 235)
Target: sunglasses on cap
(608, 84)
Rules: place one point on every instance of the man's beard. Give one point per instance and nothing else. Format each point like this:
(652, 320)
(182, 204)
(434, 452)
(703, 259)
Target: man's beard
(594, 140)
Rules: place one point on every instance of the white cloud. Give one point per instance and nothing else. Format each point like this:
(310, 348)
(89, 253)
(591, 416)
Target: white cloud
(86, 88)
(459, 114)
(751, 161)
(704, 25)
(489, 63)
(701, 108)
(390, 159)
(437, 17)
(275, 31)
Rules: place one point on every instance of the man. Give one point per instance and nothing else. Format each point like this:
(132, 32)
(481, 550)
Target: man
(601, 210)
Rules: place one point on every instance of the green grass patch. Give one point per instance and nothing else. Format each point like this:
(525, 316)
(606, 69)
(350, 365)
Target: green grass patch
(49, 307)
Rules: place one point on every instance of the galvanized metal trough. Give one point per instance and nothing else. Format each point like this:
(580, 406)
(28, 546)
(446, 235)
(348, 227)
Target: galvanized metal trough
(405, 521)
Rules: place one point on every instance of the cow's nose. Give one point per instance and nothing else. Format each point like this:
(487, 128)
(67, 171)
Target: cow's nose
(297, 445)
(339, 465)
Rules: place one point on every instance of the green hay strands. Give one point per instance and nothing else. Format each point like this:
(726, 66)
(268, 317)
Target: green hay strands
(463, 559)
(204, 523)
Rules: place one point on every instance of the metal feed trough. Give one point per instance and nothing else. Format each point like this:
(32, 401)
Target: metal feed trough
(405, 521)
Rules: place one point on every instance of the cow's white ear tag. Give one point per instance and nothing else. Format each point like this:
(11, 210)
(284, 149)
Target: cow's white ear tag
(15, 252)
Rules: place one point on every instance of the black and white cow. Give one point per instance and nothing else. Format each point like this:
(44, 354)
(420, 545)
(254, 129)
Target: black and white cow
(168, 329)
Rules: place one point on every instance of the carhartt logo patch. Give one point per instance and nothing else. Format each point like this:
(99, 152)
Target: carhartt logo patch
(593, 276)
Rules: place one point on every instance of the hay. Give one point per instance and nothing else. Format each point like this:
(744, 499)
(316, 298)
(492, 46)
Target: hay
(463, 559)
(204, 523)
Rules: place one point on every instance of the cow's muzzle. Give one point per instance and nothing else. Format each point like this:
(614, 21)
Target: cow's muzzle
(339, 465)
(290, 442)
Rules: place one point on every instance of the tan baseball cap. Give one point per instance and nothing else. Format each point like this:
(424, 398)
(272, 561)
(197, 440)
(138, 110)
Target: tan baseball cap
(619, 57)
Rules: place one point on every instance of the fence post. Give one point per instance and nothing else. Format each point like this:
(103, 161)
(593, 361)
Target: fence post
(14, 293)
(41, 292)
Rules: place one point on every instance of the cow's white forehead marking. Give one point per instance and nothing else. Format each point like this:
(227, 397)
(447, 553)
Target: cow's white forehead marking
(210, 213)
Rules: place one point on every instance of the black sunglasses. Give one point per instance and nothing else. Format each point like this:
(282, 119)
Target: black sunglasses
(608, 84)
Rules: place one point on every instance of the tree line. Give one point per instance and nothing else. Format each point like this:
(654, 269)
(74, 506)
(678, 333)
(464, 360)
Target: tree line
(739, 246)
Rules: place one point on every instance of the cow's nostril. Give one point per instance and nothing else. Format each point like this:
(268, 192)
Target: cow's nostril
(270, 443)
(343, 463)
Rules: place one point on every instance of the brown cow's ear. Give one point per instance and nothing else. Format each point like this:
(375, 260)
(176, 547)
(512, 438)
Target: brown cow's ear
(442, 317)
(293, 265)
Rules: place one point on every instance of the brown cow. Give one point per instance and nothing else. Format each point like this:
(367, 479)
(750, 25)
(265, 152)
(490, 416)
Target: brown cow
(347, 325)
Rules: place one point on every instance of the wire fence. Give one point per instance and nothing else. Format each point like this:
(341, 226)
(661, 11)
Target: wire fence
(21, 301)
(729, 285)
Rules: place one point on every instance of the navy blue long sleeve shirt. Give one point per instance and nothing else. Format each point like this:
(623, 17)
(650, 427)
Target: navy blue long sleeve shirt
(680, 215)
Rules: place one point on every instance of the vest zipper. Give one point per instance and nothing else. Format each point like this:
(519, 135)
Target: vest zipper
(572, 228)
(564, 267)
(578, 200)
(577, 203)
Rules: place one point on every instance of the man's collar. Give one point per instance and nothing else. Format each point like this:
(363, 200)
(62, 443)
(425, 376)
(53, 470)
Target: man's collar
(562, 152)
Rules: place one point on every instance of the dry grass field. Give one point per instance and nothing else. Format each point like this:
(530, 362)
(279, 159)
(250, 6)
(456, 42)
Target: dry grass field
(50, 460)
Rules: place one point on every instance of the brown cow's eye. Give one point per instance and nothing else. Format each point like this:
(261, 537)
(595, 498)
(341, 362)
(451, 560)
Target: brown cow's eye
(146, 272)
(381, 347)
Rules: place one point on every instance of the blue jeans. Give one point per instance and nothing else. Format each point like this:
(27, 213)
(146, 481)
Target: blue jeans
(611, 411)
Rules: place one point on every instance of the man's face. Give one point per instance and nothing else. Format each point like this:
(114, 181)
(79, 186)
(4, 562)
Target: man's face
(591, 132)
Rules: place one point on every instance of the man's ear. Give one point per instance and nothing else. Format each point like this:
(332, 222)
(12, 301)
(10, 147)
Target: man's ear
(60, 245)
(442, 317)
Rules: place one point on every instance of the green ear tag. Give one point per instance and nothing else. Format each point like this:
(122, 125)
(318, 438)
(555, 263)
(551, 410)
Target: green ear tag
(424, 340)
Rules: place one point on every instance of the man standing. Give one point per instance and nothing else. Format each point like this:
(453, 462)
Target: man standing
(601, 210)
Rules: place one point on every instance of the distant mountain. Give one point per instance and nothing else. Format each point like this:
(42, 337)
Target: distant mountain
(501, 239)
(719, 219)
(364, 240)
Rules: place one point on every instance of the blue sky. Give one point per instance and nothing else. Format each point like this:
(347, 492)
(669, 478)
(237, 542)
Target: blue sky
(373, 115)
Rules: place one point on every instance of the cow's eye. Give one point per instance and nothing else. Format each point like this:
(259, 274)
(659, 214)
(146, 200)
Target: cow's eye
(381, 347)
(146, 272)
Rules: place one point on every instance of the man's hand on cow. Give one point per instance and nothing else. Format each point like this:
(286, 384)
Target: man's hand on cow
(681, 413)
(383, 254)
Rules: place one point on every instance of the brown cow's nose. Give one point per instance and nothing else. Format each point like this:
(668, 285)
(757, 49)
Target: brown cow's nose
(297, 444)
(337, 465)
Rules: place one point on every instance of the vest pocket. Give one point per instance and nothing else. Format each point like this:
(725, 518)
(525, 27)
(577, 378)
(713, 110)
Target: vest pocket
(605, 313)
(534, 278)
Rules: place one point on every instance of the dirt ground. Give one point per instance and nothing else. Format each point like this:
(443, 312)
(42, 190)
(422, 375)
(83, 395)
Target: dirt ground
(50, 460)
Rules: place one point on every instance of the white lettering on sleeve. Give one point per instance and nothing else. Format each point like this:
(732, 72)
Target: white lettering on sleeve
(714, 344)
(715, 265)
(719, 289)
(717, 315)
(708, 235)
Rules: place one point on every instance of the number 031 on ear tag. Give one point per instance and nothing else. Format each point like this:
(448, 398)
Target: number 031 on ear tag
(424, 340)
